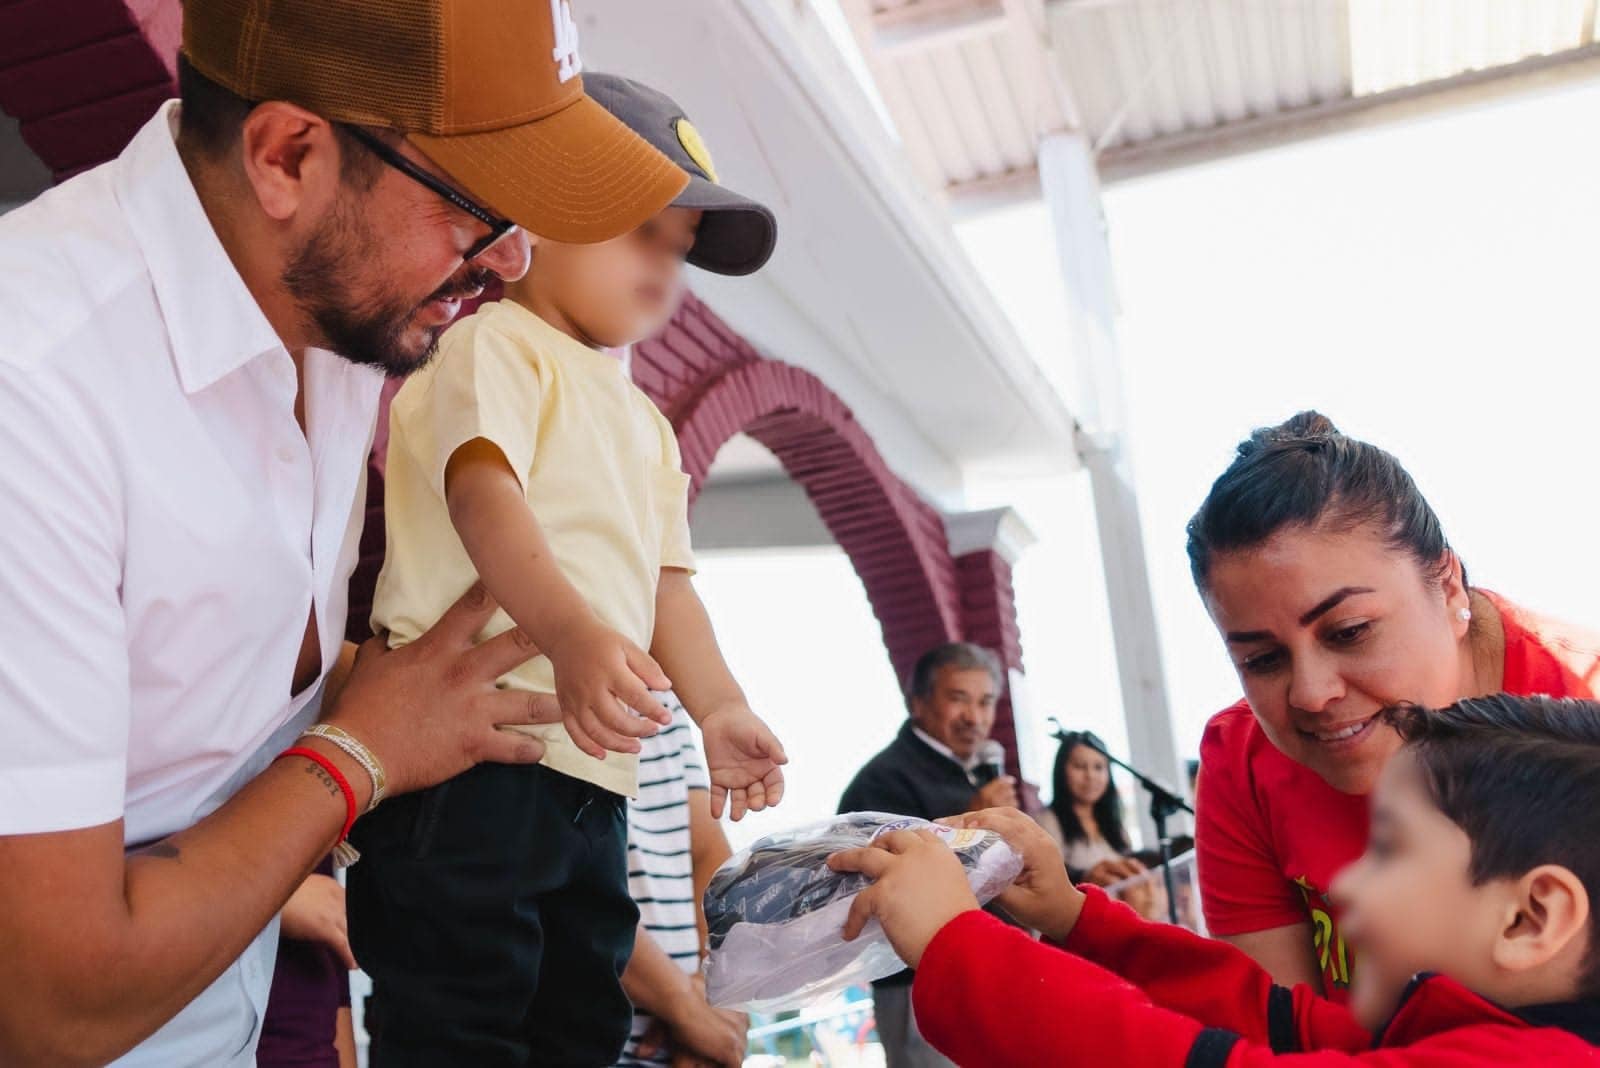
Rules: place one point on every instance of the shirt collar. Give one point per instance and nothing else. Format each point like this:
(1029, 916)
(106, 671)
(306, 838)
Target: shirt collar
(214, 323)
(944, 750)
(552, 339)
(1582, 1018)
(1433, 1003)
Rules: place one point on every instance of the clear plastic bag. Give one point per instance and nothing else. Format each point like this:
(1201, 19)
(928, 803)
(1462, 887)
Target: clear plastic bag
(776, 911)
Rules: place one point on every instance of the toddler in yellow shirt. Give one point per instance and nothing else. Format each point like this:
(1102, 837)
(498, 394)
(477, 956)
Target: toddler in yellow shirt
(493, 911)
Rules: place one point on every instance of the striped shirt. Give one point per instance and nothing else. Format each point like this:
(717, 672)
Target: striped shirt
(660, 865)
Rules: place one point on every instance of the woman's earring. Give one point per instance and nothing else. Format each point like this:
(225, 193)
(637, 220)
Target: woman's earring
(1464, 614)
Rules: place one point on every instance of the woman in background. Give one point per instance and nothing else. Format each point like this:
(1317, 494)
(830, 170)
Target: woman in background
(1085, 814)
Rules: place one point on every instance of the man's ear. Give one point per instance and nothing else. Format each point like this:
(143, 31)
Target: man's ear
(290, 158)
(1547, 917)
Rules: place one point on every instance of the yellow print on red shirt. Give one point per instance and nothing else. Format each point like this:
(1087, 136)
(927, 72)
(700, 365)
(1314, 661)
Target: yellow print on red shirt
(1333, 957)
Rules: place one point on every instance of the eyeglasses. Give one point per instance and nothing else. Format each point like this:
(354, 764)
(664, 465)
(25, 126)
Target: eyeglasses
(499, 227)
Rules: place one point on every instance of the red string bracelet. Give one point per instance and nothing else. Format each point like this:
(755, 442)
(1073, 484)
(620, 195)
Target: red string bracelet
(338, 777)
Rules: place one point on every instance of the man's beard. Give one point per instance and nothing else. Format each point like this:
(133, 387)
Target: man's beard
(364, 330)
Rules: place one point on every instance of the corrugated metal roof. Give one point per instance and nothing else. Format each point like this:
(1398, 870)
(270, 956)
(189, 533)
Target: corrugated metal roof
(971, 84)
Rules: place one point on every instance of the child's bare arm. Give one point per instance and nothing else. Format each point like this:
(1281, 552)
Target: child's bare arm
(686, 648)
(598, 671)
(742, 755)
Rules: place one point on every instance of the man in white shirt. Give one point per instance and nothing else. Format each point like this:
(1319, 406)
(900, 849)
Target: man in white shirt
(181, 465)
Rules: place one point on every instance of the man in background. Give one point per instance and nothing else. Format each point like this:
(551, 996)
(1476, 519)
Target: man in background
(931, 769)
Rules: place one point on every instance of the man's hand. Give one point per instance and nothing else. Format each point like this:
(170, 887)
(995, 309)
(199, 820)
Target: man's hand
(600, 676)
(696, 1032)
(428, 710)
(316, 914)
(175, 915)
(918, 886)
(744, 760)
(997, 793)
(1042, 896)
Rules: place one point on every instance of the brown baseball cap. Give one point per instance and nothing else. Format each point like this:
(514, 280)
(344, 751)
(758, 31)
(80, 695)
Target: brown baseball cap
(490, 90)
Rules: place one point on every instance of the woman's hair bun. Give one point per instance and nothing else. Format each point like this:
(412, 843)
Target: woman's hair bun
(1301, 428)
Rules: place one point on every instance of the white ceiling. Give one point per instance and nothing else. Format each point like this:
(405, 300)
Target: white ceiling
(868, 289)
(971, 84)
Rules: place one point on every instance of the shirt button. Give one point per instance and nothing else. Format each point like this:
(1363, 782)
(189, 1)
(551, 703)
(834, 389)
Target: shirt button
(286, 454)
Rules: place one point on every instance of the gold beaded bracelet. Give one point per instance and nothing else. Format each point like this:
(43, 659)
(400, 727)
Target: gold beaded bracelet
(357, 752)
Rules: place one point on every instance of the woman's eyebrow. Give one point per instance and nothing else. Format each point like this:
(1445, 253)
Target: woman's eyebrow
(1326, 605)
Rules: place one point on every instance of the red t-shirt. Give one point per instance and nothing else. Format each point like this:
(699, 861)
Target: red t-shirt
(1270, 834)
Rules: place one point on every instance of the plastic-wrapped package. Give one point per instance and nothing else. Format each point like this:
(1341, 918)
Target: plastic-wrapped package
(776, 911)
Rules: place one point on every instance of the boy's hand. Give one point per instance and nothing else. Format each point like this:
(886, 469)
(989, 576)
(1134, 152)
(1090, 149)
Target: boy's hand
(696, 1032)
(1043, 897)
(600, 676)
(918, 886)
(744, 760)
(316, 914)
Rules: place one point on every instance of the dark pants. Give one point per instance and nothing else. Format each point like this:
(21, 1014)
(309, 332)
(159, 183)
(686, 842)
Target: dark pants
(493, 915)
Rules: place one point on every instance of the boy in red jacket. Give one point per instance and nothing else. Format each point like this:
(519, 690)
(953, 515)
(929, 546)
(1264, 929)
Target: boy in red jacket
(1471, 909)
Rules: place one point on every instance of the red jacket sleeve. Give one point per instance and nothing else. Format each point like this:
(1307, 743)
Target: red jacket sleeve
(987, 994)
(1210, 981)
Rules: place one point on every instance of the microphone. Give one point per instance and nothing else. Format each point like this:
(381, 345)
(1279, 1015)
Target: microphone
(991, 762)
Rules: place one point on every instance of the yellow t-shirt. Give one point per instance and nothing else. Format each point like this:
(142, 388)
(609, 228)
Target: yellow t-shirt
(600, 468)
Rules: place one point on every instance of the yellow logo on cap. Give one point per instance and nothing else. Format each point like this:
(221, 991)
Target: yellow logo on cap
(692, 143)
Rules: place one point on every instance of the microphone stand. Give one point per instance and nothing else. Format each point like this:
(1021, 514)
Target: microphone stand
(1164, 803)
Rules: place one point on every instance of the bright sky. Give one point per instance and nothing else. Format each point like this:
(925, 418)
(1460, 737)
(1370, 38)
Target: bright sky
(1430, 286)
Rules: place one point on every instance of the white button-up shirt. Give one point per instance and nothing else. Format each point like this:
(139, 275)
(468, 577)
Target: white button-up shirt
(165, 528)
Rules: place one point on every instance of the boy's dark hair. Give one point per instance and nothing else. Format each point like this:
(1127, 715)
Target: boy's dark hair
(210, 117)
(964, 656)
(1305, 473)
(1521, 776)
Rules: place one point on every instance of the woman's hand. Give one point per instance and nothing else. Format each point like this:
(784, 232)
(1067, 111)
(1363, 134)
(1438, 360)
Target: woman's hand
(315, 913)
(918, 886)
(1042, 897)
(1113, 870)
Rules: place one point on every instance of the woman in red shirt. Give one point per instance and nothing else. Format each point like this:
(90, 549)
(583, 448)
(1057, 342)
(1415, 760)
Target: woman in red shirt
(1337, 595)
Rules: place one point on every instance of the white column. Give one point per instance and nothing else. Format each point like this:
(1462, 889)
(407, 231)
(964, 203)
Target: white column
(1071, 190)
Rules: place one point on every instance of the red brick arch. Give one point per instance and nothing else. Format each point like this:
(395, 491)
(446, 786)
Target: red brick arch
(82, 77)
(712, 384)
(895, 541)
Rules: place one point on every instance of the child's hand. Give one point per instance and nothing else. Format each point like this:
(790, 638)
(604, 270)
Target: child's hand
(743, 758)
(599, 676)
(315, 913)
(918, 886)
(1043, 897)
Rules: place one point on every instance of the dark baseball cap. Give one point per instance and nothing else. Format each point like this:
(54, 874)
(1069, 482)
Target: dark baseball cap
(736, 234)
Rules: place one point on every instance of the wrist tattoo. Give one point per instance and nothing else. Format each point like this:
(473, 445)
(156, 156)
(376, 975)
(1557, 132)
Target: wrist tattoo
(327, 780)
